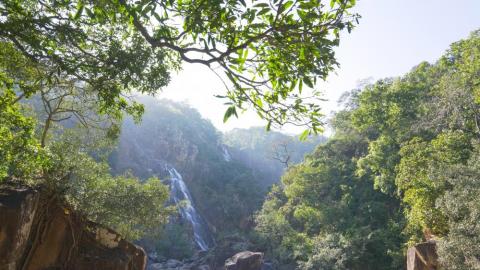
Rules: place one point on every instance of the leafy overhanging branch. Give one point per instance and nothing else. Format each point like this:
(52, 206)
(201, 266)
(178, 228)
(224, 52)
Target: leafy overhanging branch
(266, 50)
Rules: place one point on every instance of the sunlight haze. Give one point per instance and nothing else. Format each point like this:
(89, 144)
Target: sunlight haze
(392, 37)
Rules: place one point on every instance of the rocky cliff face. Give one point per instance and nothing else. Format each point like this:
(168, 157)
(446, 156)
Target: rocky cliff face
(224, 191)
(38, 232)
(422, 256)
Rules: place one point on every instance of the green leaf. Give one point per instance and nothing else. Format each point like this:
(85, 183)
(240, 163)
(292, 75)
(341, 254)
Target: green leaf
(332, 3)
(285, 6)
(302, 54)
(230, 111)
(262, 5)
(263, 11)
(259, 103)
(308, 82)
(80, 7)
(304, 135)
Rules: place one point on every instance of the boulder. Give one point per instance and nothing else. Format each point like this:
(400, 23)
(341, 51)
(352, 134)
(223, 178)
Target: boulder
(422, 256)
(38, 231)
(17, 211)
(245, 260)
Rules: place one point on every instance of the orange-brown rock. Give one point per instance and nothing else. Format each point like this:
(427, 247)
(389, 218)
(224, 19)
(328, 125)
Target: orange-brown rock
(422, 256)
(39, 232)
(17, 211)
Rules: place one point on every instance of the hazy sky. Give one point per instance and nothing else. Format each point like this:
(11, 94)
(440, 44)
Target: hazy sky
(392, 37)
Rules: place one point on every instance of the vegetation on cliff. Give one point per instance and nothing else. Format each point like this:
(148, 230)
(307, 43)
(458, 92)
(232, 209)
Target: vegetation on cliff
(68, 68)
(401, 168)
(225, 187)
(52, 141)
(173, 134)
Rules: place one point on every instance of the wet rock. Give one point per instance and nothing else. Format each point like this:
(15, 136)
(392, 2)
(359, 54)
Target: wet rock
(155, 266)
(245, 260)
(199, 261)
(267, 266)
(172, 263)
(422, 256)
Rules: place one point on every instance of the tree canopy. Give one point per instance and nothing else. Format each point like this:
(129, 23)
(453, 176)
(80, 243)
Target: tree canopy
(57, 139)
(265, 50)
(401, 168)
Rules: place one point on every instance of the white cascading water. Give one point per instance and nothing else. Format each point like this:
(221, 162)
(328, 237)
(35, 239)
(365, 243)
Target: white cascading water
(180, 193)
(226, 155)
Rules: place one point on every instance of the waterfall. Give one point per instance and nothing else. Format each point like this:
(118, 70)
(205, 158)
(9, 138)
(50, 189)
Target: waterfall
(180, 193)
(226, 155)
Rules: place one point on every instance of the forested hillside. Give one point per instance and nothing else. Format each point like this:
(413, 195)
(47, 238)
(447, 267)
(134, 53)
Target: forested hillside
(174, 134)
(402, 167)
(98, 172)
(268, 153)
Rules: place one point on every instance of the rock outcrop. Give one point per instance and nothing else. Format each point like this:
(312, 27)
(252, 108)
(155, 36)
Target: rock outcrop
(17, 211)
(37, 231)
(245, 260)
(422, 256)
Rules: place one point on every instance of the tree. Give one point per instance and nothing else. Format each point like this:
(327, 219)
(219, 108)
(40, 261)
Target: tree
(327, 217)
(417, 125)
(20, 153)
(267, 50)
(68, 103)
(281, 153)
(71, 165)
(459, 249)
(402, 165)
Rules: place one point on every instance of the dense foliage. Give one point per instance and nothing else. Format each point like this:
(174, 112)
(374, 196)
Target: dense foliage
(327, 217)
(67, 69)
(174, 134)
(57, 140)
(401, 168)
(21, 155)
(81, 174)
(266, 50)
(459, 248)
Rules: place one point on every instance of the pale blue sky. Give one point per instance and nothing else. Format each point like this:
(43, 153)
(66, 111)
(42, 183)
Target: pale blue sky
(392, 37)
